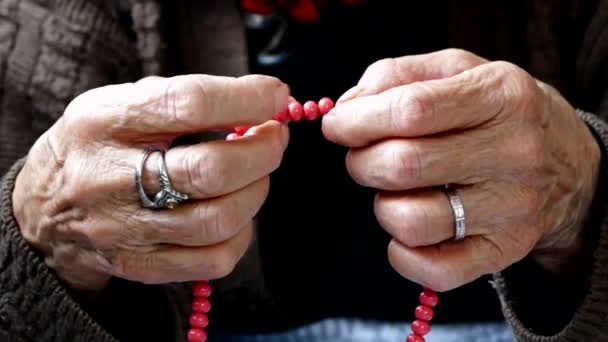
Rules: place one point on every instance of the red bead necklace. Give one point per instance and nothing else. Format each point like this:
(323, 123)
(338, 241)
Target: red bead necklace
(202, 289)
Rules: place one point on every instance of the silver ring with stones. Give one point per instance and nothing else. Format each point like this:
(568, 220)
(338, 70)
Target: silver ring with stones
(167, 197)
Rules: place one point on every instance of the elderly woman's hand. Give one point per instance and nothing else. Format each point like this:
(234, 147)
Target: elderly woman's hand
(76, 200)
(523, 162)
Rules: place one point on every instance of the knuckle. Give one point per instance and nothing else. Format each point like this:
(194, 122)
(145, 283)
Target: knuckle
(404, 165)
(135, 266)
(217, 223)
(206, 172)
(412, 107)
(181, 96)
(175, 102)
(462, 59)
(260, 82)
(456, 53)
(413, 101)
(221, 264)
(407, 222)
(519, 87)
(440, 278)
(380, 68)
(211, 226)
(82, 114)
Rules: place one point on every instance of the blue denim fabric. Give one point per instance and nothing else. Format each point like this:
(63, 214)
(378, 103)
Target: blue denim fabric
(341, 330)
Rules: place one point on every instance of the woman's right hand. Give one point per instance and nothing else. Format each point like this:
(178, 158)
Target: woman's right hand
(76, 201)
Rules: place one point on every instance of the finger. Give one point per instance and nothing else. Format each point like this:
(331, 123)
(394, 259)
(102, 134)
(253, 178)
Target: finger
(403, 164)
(448, 265)
(219, 167)
(464, 101)
(190, 103)
(425, 217)
(167, 263)
(200, 223)
(393, 72)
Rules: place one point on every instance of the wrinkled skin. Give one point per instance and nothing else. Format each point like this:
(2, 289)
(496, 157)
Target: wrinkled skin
(524, 163)
(75, 199)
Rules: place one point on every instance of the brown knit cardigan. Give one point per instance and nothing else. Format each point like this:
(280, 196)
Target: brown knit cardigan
(53, 50)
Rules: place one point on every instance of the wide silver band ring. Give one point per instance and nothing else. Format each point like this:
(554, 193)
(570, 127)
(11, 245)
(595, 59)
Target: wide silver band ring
(460, 225)
(167, 197)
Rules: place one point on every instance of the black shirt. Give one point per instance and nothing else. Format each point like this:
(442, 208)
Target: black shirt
(324, 253)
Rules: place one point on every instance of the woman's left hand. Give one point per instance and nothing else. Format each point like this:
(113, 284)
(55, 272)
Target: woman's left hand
(523, 162)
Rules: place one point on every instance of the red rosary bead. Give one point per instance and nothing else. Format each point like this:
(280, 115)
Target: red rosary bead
(202, 289)
(281, 116)
(414, 338)
(240, 130)
(199, 320)
(429, 298)
(201, 305)
(311, 110)
(424, 313)
(421, 327)
(296, 111)
(197, 335)
(325, 105)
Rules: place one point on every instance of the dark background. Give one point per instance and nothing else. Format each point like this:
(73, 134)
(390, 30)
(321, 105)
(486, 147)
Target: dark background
(324, 253)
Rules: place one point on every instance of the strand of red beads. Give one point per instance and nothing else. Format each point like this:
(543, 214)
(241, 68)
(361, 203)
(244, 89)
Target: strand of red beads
(424, 314)
(200, 308)
(201, 305)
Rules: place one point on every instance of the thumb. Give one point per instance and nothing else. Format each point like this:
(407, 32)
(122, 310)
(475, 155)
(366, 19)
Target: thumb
(393, 72)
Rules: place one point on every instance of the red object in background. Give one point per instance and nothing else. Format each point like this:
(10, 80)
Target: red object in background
(306, 11)
(263, 7)
(353, 2)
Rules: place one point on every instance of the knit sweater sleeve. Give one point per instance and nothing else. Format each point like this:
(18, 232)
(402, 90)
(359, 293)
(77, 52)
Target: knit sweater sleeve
(36, 306)
(538, 307)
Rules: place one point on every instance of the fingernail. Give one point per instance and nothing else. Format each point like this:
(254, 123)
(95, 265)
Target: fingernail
(281, 98)
(352, 93)
(232, 136)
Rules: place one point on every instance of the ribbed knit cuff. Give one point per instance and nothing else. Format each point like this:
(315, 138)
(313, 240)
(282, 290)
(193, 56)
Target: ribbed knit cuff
(527, 287)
